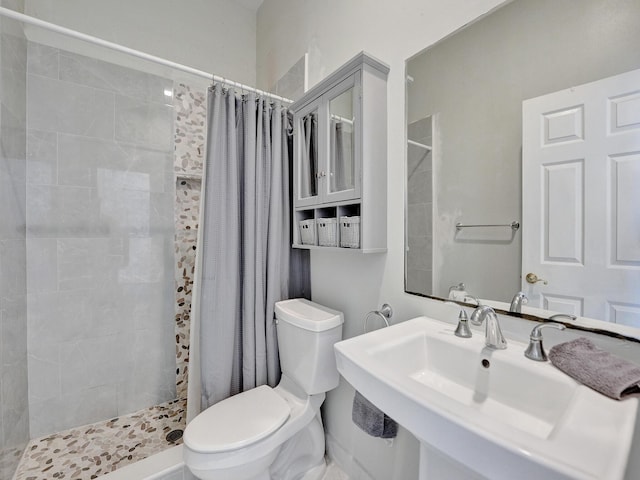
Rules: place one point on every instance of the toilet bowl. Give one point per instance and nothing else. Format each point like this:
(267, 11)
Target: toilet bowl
(274, 433)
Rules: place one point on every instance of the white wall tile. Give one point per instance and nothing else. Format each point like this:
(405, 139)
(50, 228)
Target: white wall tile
(107, 76)
(42, 158)
(56, 106)
(13, 331)
(75, 409)
(12, 198)
(43, 60)
(143, 123)
(44, 373)
(12, 263)
(56, 317)
(13, 52)
(59, 211)
(92, 362)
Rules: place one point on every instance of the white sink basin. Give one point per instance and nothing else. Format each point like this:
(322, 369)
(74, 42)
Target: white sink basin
(495, 411)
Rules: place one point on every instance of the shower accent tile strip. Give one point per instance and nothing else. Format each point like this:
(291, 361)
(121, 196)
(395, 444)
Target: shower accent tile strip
(191, 117)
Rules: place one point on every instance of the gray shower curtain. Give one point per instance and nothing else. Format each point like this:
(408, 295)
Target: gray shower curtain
(246, 254)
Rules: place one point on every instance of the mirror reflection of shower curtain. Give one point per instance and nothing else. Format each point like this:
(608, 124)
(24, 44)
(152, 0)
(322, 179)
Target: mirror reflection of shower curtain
(309, 164)
(341, 141)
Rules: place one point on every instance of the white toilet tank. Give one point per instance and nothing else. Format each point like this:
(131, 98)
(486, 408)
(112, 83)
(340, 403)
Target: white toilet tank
(306, 334)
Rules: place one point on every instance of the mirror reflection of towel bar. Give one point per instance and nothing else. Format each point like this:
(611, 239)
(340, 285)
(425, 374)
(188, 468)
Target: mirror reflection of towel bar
(514, 226)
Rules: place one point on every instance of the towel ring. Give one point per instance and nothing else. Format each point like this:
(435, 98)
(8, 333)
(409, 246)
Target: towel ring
(385, 313)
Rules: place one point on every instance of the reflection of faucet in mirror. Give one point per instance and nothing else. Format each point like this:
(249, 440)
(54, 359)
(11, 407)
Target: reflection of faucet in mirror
(516, 303)
(493, 333)
(562, 315)
(457, 292)
(472, 298)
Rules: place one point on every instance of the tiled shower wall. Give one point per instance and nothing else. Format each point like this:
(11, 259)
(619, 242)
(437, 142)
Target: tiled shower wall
(14, 414)
(100, 242)
(191, 117)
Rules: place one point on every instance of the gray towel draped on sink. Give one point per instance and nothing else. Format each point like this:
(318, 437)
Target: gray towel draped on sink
(371, 419)
(600, 370)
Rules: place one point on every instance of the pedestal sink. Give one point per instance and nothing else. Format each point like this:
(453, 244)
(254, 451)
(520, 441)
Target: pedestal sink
(494, 411)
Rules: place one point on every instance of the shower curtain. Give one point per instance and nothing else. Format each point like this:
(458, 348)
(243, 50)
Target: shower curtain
(246, 256)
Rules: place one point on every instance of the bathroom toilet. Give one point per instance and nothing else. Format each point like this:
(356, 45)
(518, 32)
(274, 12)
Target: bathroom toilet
(274, 433)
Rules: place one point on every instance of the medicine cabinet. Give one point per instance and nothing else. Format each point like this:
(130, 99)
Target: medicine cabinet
(340, 167)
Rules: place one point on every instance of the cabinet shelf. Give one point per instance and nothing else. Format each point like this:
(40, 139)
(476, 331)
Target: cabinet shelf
(339, 249)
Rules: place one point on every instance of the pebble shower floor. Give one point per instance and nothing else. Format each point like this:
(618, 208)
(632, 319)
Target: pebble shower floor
(93, 450)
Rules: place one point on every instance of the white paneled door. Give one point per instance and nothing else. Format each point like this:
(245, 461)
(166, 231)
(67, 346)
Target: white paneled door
(581, 200)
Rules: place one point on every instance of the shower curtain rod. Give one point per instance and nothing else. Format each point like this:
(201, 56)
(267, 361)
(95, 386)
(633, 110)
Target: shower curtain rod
(21, 17)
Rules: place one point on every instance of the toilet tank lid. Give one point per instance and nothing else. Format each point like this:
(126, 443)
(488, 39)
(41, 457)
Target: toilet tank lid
(308, 315)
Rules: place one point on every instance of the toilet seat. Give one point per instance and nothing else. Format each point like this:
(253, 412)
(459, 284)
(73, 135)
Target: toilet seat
(238, 421)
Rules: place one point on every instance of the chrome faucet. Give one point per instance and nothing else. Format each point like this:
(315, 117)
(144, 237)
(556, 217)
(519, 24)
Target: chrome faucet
(535, 350)
(493, 333)
(516, 303)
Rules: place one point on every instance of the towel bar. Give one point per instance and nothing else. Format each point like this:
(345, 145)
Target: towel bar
(384, 313)
(514, 226)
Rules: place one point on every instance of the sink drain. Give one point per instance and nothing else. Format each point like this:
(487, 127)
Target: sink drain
(173, 436)
(486, 363)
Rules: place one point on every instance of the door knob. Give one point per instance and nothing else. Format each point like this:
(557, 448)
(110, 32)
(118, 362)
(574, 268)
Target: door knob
(533, 278)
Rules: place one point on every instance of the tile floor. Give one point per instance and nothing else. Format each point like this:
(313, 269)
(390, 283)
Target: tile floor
(90, 451)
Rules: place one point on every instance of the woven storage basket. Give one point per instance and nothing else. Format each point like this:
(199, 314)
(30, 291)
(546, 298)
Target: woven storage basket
(350, 232)
(308, 232)
(327, 232)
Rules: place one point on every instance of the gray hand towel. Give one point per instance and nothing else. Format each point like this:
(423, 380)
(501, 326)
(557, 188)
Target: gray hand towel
(602, 371)
(371, 419)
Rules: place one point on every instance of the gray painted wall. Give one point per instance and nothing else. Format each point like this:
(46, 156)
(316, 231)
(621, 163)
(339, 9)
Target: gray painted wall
(476, 81)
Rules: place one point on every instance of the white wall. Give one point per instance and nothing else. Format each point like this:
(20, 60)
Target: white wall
(332, 32)
(217, 36)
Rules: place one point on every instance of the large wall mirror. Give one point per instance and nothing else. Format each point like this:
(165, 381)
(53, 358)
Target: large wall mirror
(467, 164)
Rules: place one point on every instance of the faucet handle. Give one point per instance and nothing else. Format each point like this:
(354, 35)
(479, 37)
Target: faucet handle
(535, 350)
(463, 330)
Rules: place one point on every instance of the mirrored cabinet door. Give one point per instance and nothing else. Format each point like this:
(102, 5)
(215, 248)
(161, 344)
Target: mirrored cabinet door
(343, 128)
(309, 172)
